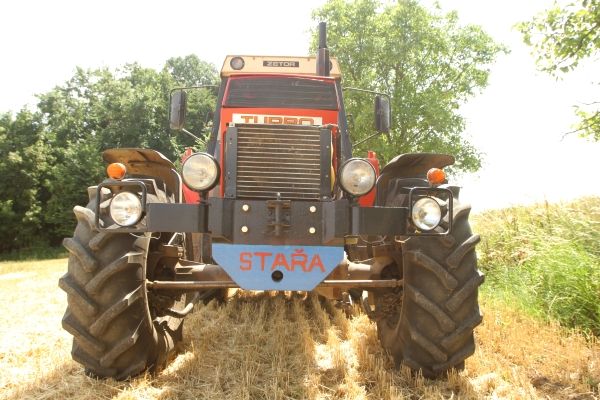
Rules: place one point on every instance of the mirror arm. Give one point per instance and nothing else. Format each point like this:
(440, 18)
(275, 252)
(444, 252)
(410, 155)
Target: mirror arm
(194, 136)
(367, 138)
(197, 138)
(387, 134)
(368, 91)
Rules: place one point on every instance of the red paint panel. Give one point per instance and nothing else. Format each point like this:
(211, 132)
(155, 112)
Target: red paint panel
(369, 199)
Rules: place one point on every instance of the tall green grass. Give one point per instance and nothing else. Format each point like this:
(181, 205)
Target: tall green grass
(545, 259)
(39, 252)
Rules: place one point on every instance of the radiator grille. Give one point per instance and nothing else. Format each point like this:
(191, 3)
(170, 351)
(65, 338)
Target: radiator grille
(281, 159)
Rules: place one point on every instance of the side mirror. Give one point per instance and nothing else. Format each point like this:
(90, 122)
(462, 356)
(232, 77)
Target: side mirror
(382, 114)
(178, 110)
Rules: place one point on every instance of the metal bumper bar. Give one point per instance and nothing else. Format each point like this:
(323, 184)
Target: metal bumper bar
(277, 222)
(252, 221)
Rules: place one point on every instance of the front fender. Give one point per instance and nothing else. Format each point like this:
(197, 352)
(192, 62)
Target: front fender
(413, 167)
(147, 163)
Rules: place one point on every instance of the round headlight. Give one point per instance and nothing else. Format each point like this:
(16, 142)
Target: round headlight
(126, 209)
(357, 176)
(200, 172)
(426, 213)
(237, 63)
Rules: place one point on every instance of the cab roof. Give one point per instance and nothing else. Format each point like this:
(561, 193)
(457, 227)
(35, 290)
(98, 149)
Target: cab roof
(280, 65)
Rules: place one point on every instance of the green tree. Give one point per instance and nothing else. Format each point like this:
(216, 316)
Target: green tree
(49, 157)
(191, 71)
(24, 168)
(562, 37)
(100, 109)
(425, 60)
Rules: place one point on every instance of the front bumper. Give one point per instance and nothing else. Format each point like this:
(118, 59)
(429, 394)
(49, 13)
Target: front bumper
(279, 222)
(254, 221)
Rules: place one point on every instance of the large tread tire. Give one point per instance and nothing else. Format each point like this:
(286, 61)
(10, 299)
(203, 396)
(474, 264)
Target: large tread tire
(432, 330)
(108, 314)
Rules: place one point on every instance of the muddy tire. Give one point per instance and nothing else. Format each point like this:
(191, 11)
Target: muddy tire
(431, 328)
(115, 334)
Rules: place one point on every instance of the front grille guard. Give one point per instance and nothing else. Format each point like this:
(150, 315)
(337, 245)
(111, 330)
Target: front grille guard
(114, 186)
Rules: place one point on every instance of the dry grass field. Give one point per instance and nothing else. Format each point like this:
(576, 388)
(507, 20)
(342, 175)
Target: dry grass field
(276, 347)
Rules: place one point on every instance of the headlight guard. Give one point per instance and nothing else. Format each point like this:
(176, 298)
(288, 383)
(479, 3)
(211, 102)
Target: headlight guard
(445, 202)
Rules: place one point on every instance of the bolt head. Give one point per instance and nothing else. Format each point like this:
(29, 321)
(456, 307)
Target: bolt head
(244, 229)
(311, 230)
(313, 209)
(245, 207)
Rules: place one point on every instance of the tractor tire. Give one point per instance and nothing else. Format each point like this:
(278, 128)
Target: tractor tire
(116, 332)
(429, 325)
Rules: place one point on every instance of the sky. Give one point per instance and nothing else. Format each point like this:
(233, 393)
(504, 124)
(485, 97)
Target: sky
(518, 121)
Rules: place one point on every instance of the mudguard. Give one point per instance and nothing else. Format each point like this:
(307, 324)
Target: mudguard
(147, 162)
(410, 165)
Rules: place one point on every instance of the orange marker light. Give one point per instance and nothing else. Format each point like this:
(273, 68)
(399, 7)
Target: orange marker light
(116, 170)
(436, 176)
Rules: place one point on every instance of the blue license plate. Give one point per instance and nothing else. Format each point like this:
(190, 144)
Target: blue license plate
(265, 267)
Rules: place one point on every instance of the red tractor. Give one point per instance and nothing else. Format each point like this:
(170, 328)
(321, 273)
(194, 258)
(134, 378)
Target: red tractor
(277, 201)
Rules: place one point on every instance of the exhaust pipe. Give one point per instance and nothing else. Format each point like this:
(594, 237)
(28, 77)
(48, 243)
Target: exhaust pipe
(323, 64)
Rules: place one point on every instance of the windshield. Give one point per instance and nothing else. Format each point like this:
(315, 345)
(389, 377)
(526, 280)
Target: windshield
(281, 92)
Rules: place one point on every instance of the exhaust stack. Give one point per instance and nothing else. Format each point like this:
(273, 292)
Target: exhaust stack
(323, 64)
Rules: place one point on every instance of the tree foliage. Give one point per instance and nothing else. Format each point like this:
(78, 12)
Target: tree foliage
(24, 168)
(424, 59)
(562, 37)
(49, 156)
